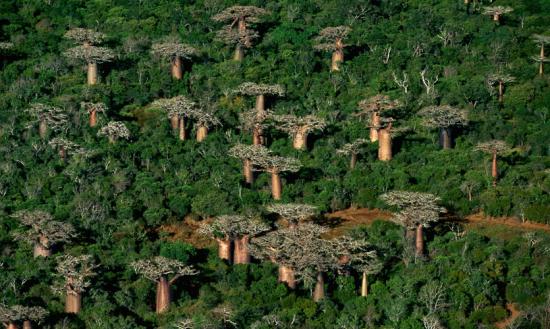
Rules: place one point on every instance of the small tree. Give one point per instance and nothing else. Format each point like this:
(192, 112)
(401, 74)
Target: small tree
(417, 210)
(444, 118)
(65, 147)
(298, 127)
(293, 213)
(93, 109)
(254, 119)
(331, 39)
(175, 51)
(274, 165)
(43, 232)
(246, 153)
(238, 33)
(541, 41)
(74, 273)
(500, 80)
(255, 122)
(9, 317)
(353, 150)
(205, 120)
(497, 12)
(495, 148)
(359, 255)
(114, 130)
(164, 272)
(372, 108)
(30, 314)
(87, 51)
(178, 109)
(48, 117)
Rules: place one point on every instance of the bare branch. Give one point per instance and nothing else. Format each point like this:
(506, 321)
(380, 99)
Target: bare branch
(417, 208)
(158, 267)
(443, 116)
(493, 146)
(255, 89)
(42, 229)
(82, 36)
(90, 54)
(172, 48)
(114, 130)
(75, 272)
(249, 14)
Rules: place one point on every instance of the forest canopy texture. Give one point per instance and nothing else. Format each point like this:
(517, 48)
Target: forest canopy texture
(182, 164)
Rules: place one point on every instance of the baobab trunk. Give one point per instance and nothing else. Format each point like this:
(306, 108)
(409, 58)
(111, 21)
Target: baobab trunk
(419, 241)
(337, 56)
(177, 71)
(73, 302)
(62, 153)
(92, 73)
(500, 91)
(42, 128)
(375, 118)
(286, 275)
(112, 139)
(384, 144)
(39, 248)
(11, 325)
(319, 291)
(247, 171)
(224, 249)
(174, 121)
(181, 126)
(93, 118)
(445, 138)
(275, 185)
(163, 295)
(257, 138)
(27, 324)
(541, 64)
(300, 138)
(353, 161)
(496, 18)
(202, 132)
(494, 171)
(242, 253)
(364, 285)
(260, 104)
(239, 53)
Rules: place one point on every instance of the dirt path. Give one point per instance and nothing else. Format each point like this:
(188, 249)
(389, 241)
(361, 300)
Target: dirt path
(514, 314)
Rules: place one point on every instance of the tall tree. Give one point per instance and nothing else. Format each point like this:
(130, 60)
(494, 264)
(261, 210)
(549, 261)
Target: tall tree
(74, 274)
(353, 150)
(88, 51)
(178, 109)
(497, 12)
(255, 118)
(93, 109)
(42, 231)
(175, 51)
(417, 211)
(114, 131)
(495, 148)
(372, 108)
(30, 314)
(444, 118)
(9, 317)
(293, 213)
(298, 127)
(238, 32)
(224, 230)
(205, 120)
(332, 39)
(274, 165)
(48, 117)
(359, 255)
(164, 272)
(541, 41)
(500, 80)
(247, 153)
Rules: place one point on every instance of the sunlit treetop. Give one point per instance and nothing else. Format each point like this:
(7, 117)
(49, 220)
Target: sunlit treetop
(330, 38)
(81, 35)
(249, 14)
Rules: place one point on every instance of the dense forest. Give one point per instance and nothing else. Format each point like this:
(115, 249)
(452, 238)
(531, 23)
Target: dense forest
(178, 164)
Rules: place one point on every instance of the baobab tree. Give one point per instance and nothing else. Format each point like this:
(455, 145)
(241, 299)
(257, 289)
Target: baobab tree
(42, 231)
(444, 118)
(75, 273)
(114, 131)
(293, 213)
(176, 52)
(417, 211)
(254, 119)
(88, 51)
(353, 150)
(164, 272)
(332, 39)
(298, 127)
(204, 120)
(93, 109)
(495, 148)
(500, 80)
(497, 12)
(30, 314)
(178, 109)
(65, 147)
(372, 108)
(9, 317)
(238, 32)
(541, 41)
(246, 153)
(274, 165)
(359, 255)
(385, 138)
(255, 122)
(48, 117)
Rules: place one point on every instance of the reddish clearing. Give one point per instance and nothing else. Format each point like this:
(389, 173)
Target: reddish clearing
(514, 314)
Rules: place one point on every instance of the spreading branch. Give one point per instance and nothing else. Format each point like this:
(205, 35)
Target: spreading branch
(85, 36)
(161, 267)
(42, 229)
(330, 38)
(255, 89)
(114, 130)
(172, 48)
(443, 116)
(294, 213)
(416, 208)
(75, 272)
